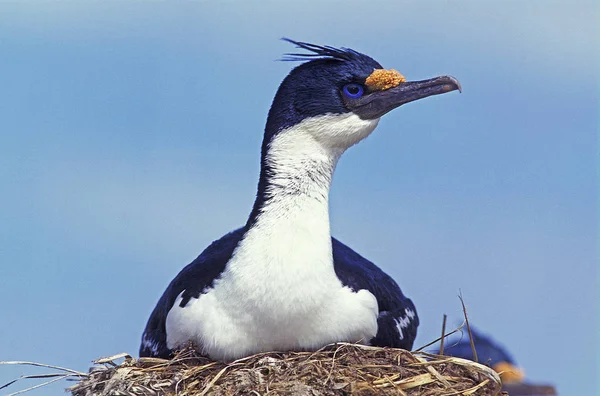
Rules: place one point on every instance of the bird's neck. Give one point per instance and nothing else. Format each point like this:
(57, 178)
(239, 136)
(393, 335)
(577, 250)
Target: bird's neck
(289, 224)
(297, 164)
(293, 192)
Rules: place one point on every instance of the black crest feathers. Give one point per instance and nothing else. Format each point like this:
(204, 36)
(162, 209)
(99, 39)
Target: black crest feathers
(319, 52)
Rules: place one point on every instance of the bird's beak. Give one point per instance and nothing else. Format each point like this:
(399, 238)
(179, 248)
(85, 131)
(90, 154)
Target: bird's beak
(377, 103)
(508, 373)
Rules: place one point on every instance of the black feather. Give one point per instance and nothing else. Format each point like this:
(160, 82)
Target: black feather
(319, 52)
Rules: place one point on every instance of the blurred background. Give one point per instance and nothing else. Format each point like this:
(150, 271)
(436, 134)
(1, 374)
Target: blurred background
(130, 135)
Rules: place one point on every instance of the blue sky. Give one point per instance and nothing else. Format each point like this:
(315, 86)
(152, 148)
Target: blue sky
(130, 136)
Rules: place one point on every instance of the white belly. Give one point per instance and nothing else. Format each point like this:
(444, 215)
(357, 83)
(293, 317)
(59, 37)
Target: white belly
(228, 326)
(278, 292)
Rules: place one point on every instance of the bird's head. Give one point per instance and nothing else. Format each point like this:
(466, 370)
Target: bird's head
(338, 95)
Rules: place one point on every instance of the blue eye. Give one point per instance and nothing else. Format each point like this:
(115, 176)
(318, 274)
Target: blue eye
(353, 90)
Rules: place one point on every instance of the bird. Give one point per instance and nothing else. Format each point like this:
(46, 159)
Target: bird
(488, 352)
(281, 282)
(491, 353)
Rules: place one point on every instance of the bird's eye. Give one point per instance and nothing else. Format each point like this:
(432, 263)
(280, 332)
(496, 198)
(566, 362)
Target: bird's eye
(353, 90)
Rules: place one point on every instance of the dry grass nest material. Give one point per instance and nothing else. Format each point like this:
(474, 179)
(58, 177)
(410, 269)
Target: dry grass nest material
(340, 369)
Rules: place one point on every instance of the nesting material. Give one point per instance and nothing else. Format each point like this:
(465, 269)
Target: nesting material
(340, 369)
(382, 79)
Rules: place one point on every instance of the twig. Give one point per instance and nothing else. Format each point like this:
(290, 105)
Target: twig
(443, 335)
(475, 359)
(434, 372)
(459, 328)
(44, 365)
(40, 385)
(333, 363)
(219, 374)
(36, 376)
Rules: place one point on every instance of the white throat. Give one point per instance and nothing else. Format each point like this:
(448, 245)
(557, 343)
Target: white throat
(303, 158)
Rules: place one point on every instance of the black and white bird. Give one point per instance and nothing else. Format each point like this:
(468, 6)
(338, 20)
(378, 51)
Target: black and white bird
(281, 282)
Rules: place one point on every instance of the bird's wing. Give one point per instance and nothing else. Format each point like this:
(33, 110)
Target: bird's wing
(191, 282)
(398, 320)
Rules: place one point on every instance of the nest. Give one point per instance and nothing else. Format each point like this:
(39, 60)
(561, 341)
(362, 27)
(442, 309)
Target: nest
(340, 369)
